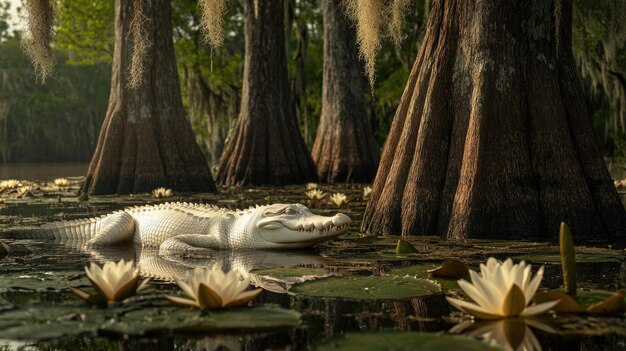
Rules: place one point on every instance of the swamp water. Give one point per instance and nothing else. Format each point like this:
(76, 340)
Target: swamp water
(354, 293)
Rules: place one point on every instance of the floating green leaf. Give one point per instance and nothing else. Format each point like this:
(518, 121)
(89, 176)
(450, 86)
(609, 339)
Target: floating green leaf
(580, 258)
(421, 271)
(388, 287)
(39, 322)
(188, 320)
(286, 272)
(42, 322)
(40, 281)
(504, 244)
(402, 341)
(452, 269)
(585, 301)
(405, 247)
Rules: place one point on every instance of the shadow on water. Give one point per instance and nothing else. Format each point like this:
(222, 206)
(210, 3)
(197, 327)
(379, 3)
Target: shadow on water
(42, 271)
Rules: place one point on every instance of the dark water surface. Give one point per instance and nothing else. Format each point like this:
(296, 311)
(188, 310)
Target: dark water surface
(40, 273)
(42, 171)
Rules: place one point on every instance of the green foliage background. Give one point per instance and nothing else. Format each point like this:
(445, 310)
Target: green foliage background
(60, 121)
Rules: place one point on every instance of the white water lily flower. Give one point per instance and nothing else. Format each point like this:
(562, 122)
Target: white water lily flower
(211, 288)
(24, 191)
(113, 281)
(366, 192)
(502, 290)
(61, 182)
(311, 186)
(10, 184)
(161, 193)
(315, 195)
(339, 199)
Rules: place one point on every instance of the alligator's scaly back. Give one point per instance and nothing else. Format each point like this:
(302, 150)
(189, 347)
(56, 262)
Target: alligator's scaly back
(120, 222)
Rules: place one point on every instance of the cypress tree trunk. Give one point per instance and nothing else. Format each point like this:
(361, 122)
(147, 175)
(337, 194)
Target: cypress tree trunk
(266, 146)
(345, 149)
(146, 141)
(492, 137)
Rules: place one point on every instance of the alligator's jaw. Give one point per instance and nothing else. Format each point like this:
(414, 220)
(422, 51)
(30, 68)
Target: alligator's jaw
(309, 232)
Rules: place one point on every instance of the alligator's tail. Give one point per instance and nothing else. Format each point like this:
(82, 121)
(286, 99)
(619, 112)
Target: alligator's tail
(73, 230)
(112, 228)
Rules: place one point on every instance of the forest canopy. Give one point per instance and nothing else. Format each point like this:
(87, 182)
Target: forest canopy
(34, 117)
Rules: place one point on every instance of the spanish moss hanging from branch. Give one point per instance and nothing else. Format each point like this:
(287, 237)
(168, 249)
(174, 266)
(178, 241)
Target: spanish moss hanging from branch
(141, 42)
(397, 12)
(369, 17)
(37, 40)
(213, 21)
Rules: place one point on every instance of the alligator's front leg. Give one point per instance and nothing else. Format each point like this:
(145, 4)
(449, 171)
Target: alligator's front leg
(188, 243)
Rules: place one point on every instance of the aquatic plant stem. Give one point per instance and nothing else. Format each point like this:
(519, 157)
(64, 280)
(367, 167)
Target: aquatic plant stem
(568, 259)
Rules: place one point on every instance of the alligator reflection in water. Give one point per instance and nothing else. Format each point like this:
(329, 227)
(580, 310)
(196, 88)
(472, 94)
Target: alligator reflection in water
(171, 267)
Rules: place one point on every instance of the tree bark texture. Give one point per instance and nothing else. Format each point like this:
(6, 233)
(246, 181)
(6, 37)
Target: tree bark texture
(266, 146)
(492, 137)
(146, 141)
(345, 149)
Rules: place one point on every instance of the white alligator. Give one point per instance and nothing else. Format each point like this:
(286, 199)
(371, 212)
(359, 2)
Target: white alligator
(188, 227)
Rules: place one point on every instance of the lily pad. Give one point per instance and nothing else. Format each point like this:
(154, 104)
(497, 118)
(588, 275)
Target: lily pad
(403, 341)
(388, 287)
(39, 322)
(503, 244)
(287, 272)
(581, 258)
(43, 322)
(452, 269)
(422, 271)
(188, 320)
(40, 281)
(586, 301)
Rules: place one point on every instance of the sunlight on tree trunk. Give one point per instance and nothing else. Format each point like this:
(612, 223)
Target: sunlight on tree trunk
(146, 141)
(345, 149)
(266, 146)
(492, 137)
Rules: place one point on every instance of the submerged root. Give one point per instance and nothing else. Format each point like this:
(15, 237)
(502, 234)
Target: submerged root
(37, 40)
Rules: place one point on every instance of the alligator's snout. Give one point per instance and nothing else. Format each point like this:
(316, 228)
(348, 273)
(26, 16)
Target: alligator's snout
(337, 223)
(341, 219)
(296, 226)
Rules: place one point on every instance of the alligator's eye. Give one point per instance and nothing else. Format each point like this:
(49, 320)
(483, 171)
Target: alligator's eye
(290, 211)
